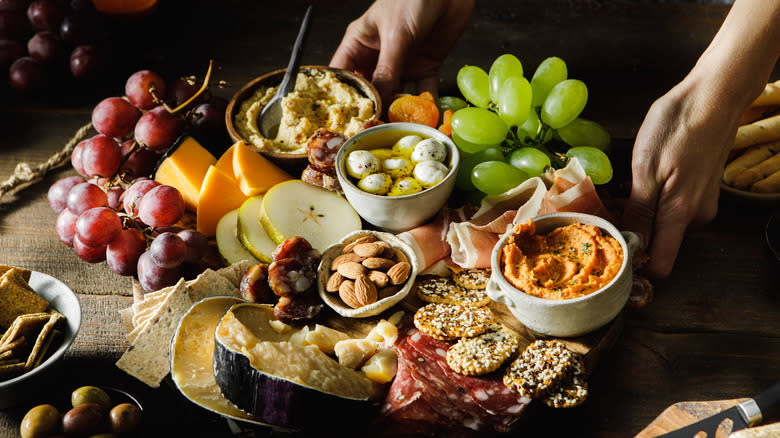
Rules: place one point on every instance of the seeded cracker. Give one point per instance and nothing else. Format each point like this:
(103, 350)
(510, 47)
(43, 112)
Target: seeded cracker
(444, 290)
(540, 368)
(43, 341)
(472, 279)
(484, 353)
(448, 322)
(572, 391)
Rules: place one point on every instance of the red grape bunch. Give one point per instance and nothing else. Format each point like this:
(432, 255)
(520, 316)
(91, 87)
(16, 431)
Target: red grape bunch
(40, 37)
(113, 210)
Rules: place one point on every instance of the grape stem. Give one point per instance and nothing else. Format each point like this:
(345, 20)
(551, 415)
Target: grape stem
(133, 149)
(200, 91)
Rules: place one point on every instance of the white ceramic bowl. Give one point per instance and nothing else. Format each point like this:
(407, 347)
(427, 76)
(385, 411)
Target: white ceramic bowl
(396, 213)
(576, 316)
(332, 298)
(21, 389)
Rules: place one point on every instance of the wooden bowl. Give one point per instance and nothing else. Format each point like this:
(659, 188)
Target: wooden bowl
(273, 78)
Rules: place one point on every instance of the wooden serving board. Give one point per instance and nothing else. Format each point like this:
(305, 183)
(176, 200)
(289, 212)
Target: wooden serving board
(684, 413)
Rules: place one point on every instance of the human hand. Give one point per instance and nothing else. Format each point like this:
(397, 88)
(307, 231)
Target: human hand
(395, 41)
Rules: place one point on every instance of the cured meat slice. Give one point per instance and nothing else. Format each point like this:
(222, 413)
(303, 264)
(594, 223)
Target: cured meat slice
(499, 405)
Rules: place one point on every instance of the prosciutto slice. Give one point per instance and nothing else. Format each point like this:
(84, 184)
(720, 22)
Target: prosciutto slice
(468, 239)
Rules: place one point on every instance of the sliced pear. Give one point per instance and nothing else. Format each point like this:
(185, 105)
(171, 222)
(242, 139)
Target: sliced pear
(227, 241)
(295, 208)
(251, 233)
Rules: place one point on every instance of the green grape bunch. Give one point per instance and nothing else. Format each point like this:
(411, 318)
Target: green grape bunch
(510, 129)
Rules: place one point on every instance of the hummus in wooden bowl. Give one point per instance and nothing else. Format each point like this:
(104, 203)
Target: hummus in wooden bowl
(564, 274)
(337, 100)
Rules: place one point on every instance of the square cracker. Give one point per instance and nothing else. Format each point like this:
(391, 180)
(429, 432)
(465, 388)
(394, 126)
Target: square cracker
(17, 298)
(23, 326)
(235, 271)
(210, 283)
(147, 359)
(43, 340)
(10, 370)
(13, 345)
(24, 271)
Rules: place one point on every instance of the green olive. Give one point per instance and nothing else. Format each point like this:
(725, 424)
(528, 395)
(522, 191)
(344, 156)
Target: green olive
(91, 394)
(40, 421)
(124, 417)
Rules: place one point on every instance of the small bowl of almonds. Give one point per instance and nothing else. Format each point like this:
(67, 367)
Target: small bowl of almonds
(366, 273)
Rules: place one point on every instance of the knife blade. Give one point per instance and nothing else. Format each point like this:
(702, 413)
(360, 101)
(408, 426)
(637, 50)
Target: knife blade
(743, 415)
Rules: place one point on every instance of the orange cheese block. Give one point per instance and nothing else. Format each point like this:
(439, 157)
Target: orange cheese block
(255, 174)
(219, 194)
(185, 169)
(225, 162)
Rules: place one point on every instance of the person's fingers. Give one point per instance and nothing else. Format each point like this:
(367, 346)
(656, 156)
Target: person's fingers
(429, 84)
(669, 233)
(352, 54)
(390, 64)
(640, 210)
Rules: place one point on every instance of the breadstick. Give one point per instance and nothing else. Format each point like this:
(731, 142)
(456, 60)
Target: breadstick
(754, 113)
(770, 184)
(762, 131)
(758, 172)
(748, 159)
(770, 95)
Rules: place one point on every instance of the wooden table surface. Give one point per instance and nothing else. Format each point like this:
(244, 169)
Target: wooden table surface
(711, 331)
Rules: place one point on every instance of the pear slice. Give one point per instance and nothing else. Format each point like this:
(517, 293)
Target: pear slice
(251, 233)
(227, 241)
(296, 208)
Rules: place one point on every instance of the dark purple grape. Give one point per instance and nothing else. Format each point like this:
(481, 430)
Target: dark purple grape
(168, 250)
(101, 156)
(157, 129)
(27, 74)
(10, 51)
(98, 226)
(153, 277)
(91, 254)
(58, 192)
(123, 252)
(141, 163)
(87, 62)
(13, 25)
(45, 15)
(139, 87)
(182, 90)
(132, 196)
(197, 245)
(45, 47)
(161, 206)
(77, 29)
(84, 196)
(66, 226)
(207, 120)
(115, 117)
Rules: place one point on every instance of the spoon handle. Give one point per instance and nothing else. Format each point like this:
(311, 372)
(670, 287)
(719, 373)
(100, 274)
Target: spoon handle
(288, 81)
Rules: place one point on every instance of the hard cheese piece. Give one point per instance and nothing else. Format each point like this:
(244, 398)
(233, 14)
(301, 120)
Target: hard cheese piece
(225, 162)
(219, 194)
(254, 173)
(185, 169)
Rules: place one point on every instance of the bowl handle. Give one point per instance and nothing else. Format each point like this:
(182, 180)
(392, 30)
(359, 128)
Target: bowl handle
(633, 242)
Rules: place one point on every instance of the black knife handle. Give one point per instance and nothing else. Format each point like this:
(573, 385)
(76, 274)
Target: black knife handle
(768, 398)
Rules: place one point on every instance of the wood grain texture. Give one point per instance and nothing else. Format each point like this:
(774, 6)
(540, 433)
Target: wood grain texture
(684, 413)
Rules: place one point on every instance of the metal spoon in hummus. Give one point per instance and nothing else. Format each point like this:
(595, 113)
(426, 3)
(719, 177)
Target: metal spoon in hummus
(271, 115)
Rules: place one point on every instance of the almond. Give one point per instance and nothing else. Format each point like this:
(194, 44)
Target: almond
(362, 239)
(347, 294)
(351, 270)
(371, 249)
(343, 258)
(378, 263)
(399, 272)
(379, 278)
(365, 290)
(389, 253)
(334, 282)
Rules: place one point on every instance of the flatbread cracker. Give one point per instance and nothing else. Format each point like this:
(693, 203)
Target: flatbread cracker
(17, 298)
(208, 284)
(234, 272)
(43, 340)
(147, 359)
(127, 318)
